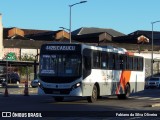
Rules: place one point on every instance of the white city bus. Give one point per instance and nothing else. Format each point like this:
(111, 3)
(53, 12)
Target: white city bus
(89, 71)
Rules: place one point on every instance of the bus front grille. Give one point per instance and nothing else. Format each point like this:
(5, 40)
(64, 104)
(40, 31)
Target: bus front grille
(56, 91)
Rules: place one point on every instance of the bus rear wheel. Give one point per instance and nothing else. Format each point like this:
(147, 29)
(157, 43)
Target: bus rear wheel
(127, 93)
(93, 98)
(58, 99)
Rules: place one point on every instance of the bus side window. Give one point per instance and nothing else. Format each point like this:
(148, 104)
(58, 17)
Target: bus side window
(87, 62)
(127, 62)
(130, 63)
(140, 64)
(96, 59)
(122, 62)
(110, 61)
(104, 62)
(117, 61)
(114, 61)
(135, 63)
(142, 59)
(125, 65)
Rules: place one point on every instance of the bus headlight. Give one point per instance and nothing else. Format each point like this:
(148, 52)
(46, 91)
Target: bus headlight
(76, 85)
(40, 85)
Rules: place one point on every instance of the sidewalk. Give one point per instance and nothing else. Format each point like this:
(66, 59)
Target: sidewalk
(18, 91)
(16, 85)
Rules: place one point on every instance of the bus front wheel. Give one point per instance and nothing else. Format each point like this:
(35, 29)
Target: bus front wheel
(93, 98)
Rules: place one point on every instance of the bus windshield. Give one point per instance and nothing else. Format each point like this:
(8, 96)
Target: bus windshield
(60, 65)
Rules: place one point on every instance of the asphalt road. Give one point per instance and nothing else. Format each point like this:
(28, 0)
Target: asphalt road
(17, 102)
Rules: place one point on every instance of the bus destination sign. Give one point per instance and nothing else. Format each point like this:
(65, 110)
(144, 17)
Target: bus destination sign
(61, 48)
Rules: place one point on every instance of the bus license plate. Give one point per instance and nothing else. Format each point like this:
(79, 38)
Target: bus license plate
(56, 92)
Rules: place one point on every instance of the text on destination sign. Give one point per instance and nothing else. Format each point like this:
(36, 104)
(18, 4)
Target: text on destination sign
(61, 48)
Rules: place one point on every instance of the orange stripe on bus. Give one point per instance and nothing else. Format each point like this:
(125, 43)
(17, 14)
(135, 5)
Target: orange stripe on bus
(130, 53)
(124, 79)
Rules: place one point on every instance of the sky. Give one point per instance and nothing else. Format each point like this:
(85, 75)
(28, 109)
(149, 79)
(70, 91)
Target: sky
(125, 16)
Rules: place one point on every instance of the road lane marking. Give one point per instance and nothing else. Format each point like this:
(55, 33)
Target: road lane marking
(144, 98)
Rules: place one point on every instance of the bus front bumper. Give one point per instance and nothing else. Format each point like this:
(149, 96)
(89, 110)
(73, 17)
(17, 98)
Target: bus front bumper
(60, 92)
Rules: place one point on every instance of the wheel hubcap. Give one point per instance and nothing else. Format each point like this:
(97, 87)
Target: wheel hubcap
(94, 93)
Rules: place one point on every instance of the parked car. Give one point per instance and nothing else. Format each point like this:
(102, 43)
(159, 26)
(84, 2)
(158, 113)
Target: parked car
(153, 82)
(35, 83)
(12, 78)
(2, 79)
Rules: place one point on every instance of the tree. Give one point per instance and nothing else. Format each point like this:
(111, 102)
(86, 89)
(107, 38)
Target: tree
(27, 57)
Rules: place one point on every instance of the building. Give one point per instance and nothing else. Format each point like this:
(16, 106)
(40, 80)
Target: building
(94, 35)
(1, 37)
(21, 42)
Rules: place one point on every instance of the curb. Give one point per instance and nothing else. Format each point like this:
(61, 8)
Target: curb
(20, 91)
(155, 105)
(15, 86)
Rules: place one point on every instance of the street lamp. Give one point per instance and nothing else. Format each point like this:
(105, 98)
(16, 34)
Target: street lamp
(64, 28)
(70, 18)
(152, 47)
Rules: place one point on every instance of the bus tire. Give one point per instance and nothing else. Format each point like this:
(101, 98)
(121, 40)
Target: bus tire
(93, 98)
(127, 93)
(58, 99)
